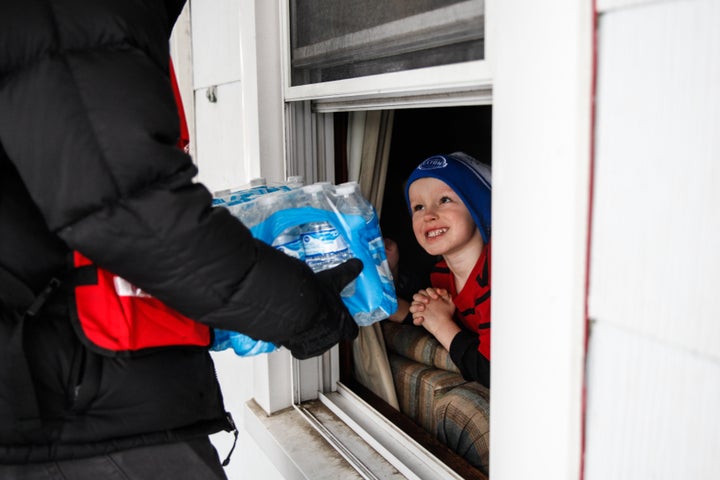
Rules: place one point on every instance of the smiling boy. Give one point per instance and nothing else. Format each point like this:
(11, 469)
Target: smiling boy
(449, 198)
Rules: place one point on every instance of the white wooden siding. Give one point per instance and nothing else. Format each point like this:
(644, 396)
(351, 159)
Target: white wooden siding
(654, 358)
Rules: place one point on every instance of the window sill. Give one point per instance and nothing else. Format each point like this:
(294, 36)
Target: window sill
(339, 436)
(294, 447)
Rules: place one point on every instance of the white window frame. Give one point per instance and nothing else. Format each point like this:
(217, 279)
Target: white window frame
(469, 78)
(468, 83)
(308, 149)
(540, 95)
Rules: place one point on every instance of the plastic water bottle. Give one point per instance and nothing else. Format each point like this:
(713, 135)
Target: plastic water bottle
(324, 246)
(349, 200)
(240, 343)
(318, 195)
(290, 243)
(295, 181)
(258, 209)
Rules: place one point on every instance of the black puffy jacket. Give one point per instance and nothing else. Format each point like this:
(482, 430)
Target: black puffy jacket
(88, 162)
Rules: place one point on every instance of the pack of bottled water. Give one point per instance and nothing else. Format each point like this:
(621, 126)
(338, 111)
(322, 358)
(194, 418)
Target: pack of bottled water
(323, 225)
(233, 198)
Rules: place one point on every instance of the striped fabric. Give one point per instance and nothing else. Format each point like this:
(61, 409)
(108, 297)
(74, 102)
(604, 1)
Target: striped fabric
(432, 392)
(462, 423)
(418, 386)
(415, 343)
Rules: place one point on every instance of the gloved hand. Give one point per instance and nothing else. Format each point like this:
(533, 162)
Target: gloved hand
(335, 323)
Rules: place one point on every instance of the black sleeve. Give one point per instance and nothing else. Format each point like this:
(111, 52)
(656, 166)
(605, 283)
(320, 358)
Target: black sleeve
(472, 364)
(92, 130)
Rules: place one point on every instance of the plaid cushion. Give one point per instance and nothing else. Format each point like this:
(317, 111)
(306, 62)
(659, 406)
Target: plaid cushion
(462, 418)
(418, 386)
(415, 343)
(432, 392)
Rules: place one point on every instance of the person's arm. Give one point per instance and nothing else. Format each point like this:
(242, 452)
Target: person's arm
(402, 314)
(406, 287)
(92, 130)
(472, 364)
(392, 253)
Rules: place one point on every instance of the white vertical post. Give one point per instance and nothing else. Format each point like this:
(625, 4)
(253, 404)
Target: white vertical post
(541, 61)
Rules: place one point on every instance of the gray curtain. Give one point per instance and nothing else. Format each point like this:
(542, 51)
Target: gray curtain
(369, 135)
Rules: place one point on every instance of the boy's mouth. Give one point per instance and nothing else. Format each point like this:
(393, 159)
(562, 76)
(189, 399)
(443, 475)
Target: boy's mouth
(435, 233)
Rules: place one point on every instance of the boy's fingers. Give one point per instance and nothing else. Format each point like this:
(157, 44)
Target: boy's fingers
(420, 297)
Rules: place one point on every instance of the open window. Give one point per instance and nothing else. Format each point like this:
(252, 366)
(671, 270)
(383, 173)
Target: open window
(409, 392)
(543, 81)
(400, 370)
(371, 89)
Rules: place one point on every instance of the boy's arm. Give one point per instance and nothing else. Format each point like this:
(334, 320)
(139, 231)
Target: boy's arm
(433, 309)
(472, 364)
(402, 314)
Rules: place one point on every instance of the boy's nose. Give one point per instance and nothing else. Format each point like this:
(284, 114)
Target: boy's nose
(430, 214)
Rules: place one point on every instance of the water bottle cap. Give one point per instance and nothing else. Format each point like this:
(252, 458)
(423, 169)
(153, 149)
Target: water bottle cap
(315, 187)
(295, 179)
(346, 188)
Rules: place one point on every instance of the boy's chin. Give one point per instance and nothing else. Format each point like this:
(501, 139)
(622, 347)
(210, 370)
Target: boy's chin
(434, 250)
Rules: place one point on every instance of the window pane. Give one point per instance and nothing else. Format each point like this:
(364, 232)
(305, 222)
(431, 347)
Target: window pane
(340, 39)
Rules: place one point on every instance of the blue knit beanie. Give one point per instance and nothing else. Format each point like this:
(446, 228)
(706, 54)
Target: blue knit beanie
(469, 178)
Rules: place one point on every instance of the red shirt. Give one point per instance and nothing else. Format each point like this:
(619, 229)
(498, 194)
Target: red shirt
(473, 301)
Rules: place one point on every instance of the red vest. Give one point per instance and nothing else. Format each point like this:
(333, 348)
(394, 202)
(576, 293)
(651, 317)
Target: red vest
(116, 317)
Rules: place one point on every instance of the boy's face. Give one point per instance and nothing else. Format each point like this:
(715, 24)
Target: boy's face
(441, 222)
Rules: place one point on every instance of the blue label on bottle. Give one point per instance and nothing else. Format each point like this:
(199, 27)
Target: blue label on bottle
(324, 241)
(292, 246)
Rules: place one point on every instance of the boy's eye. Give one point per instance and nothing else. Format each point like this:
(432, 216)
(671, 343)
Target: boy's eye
(417, 208)
(445, 200)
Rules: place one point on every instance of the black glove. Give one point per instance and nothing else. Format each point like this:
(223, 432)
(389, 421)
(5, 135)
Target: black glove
(334, 323)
